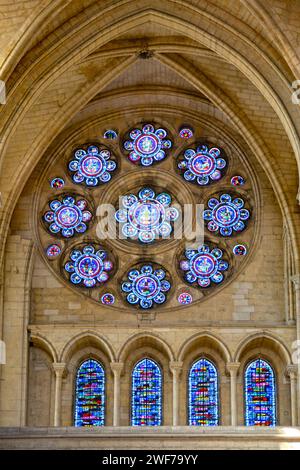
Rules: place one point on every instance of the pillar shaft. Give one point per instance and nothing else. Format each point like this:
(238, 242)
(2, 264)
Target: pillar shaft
(292, 373)
(233, 368)
(296, 283)
(59, 370)
(117, 368)
(176, 369)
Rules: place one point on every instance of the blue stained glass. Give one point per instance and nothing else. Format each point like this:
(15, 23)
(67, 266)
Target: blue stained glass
(146, 216)
(110, 134)
(260, 394)
(146, 286)
(90, 394)
(57, 183)
(203, 394)
(92, 167)
(67, 216)
(88, 267)
(226, 215)
(146, 398)
(204, 266)
(202, 165)
(148, 145)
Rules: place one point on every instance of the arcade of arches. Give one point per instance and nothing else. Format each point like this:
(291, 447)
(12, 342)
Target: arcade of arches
(152, 109)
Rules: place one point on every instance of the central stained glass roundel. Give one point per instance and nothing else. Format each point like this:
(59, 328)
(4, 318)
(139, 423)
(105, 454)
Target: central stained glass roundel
(92, 166)
(146, 286)
(146, 216)
(204, 265)
(147, 145)
(88, 266)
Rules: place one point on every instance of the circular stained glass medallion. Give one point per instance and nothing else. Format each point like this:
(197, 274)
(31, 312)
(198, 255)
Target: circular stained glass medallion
(92, 167)
(53, 251)
(185, 298)
(67, 216)
(57, 183)
(146, 286)
(186, 133)
(146, 216)
(239, 250)
(202, 165)
(147, 145)
(226, 215)
(204, 265)
(88, 266)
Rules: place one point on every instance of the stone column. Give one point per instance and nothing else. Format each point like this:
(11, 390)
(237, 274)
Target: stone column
(117, 368)
(296, 283)
(291, 371)
(59, 370)
(232, 368)
(176, 369)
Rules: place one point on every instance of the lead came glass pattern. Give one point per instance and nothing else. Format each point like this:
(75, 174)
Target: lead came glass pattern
(147, 145)
(260, 392)
(110, 134)
(147, 216)
(53, 251)
(203, 394)
(146, 286)
(186, 133)
(202, 165)
(92, 167)
(90, 394)
(57, 183)
(226, 215)
(67, 216)
(239, 250)
(146, 399)
(204, 266)
(88, 267)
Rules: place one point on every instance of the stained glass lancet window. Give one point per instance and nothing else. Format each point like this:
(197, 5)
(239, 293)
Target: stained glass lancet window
(90, 394)
(146, 399)
(260, 394)
(203, 394)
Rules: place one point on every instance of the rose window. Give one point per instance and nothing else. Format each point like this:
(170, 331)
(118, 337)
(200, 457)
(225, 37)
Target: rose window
(148, 215)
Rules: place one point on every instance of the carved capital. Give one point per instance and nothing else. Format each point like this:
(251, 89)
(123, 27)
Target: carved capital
(59, 369)
(176, 367)
(117, 368)
(292, 371)
(233, 368)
